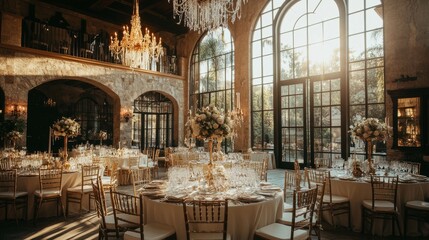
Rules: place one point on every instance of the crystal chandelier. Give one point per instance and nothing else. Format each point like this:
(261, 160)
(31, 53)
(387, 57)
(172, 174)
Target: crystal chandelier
(135, 49)
(202, 15)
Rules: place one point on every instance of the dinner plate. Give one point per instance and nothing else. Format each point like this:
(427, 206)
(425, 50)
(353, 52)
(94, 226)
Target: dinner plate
(150, 192)
(347, 178)
(266, 193)
(250, 198)
(271, 188)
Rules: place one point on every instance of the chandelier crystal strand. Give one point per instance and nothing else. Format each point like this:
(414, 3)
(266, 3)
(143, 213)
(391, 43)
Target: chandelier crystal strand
(135, 49)
(202, 15)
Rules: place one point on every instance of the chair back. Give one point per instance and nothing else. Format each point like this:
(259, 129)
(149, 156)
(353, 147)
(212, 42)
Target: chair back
(259, 168)
(303, 209)
(100, 203)
(289, 183)
(8, 180)
(89, 173)
(384, 188)
(156, 157)
(5, 163)
(50, 179)
(127, 207)
(206, 217)
(114, 174)
(315, 176)
(139, 177)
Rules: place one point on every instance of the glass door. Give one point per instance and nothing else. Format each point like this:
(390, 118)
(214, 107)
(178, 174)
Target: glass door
(292, 121)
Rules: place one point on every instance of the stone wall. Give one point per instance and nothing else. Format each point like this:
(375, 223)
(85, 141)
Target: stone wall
(22, 70)
(406, 32)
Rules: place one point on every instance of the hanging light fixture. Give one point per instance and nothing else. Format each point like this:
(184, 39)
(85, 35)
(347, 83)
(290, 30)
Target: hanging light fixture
(202, 15)
(135, 49)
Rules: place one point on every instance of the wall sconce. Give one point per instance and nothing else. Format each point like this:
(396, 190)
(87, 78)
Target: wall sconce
(17, 110)
(126, 114)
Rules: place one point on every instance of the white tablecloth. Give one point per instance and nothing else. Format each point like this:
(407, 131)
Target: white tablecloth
(243, 219)
(31, 183)
(358, 191)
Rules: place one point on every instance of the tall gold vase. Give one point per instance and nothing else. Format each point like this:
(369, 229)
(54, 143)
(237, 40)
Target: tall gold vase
(369, 148)
(65, 154)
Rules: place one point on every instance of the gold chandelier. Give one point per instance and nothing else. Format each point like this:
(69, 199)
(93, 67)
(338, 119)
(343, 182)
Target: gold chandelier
(202, 15)
(135, 49)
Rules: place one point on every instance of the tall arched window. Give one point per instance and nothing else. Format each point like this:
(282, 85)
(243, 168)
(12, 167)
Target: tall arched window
(319, 86)
(212, 73)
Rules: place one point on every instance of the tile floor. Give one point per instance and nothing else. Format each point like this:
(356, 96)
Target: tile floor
(86, 225)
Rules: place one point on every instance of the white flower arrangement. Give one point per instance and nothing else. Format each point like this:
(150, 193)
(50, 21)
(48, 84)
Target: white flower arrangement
(102, 135)
(370, 129)
(66, 127)
(210, 123)
(14, 135)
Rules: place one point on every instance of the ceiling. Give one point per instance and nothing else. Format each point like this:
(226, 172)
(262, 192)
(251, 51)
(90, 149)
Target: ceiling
(157, 15)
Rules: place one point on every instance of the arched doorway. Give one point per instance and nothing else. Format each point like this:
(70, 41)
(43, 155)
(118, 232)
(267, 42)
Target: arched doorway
(153, 124)
(89, 105)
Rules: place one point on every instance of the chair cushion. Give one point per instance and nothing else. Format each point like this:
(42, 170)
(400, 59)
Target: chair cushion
(86, 189)
(287, 207)
(287, 218)
(47, 193)
(379, 205)
(9, 195)
(208, 236)
(110, 221)
(418, 205)
(153, 231)
(335, 199)
(277, 231)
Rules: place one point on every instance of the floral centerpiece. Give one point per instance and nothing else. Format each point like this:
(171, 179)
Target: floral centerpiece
(102, 135)
(369, 130)
(210, 123)
(66, 127)
(14, 136)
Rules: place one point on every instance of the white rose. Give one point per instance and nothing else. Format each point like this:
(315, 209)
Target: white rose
(376, 133)
(220, 120)
(215, 126)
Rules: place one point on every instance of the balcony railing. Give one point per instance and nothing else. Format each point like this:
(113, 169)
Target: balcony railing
(42, 36)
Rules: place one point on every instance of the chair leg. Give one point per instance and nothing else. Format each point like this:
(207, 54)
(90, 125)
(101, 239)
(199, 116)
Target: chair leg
(16, 212)
(5, 211)
(406, 222)
(397, 224)
(62, 208)
(67, 205)
(362, 220)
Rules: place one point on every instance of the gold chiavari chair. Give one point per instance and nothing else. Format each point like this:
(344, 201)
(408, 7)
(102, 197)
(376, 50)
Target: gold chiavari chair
(383, 204)
(335, 204)
(50, 189)
(206, 219)
(128, 209)
(139, 177)
(301, 223)
(10, 195)
(112, 180)
(106, 222)
(75, 195)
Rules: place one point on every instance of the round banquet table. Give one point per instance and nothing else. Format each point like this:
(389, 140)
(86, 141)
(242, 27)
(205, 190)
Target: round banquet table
(30, 183)
(357, 191)
(243, 219)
